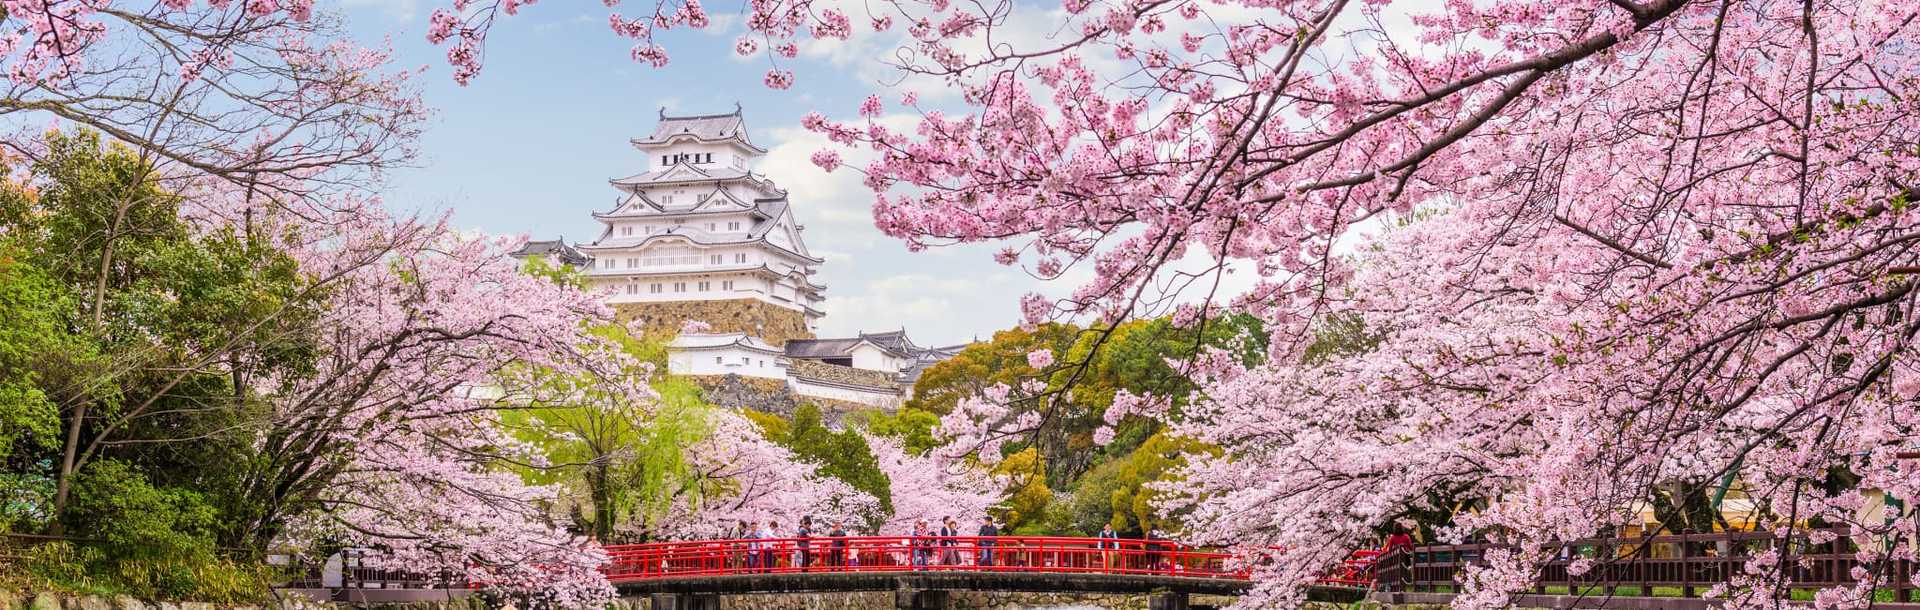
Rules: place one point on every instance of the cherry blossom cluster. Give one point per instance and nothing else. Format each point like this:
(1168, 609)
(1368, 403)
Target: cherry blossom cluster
(406, 400)
(933, 487)
(256, 94)
(1616, 245)
(773, 27)
(746, 477)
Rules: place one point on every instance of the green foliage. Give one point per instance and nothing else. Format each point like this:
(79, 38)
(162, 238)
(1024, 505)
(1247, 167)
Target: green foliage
(1341, 336)
(146, 336)
(115, 503)
(981, 365)
(30, 330)
(1120, 492)
(144, 540)
(1063, 481)
(1027, 493)
(626, 464)
(1142, 357)
(565, 275)
(90, 569)
(843, 455)
(912, 427)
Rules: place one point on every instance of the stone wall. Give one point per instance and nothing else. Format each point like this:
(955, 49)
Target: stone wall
(768, 396)
(771, 323)
(957, 600)
(756, 393)
(814, 369)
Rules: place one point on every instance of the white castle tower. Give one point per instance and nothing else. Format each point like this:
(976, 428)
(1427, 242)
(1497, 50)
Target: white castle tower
(701, 237)
(702, 226)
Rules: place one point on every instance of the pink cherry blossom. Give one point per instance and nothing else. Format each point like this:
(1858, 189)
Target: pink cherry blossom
(1596, 249)
(1040, 358)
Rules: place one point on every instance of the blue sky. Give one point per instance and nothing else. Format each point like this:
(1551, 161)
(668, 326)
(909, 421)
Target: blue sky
(529, 145)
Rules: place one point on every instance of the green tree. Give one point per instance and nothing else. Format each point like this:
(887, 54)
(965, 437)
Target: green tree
(627, 462)
(912, 427)
(1027, 492)
(981, 365)
(1121, 492)
(31, 331)
(156, 333)
(842, 454)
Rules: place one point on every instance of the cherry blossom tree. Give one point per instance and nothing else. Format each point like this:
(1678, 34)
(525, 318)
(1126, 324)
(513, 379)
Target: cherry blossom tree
(269, 125)
(394, 440)
(264, 97)
(240, 105)
(932, 487)
(1642, 243)
(745, 477)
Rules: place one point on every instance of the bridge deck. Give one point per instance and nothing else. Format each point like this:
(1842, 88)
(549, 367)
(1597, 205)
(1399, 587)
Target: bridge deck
(883, 563)
(1062, 582)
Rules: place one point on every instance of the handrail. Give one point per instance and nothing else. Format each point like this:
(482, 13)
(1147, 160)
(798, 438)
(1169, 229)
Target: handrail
(1049, 554)
(1683, 563)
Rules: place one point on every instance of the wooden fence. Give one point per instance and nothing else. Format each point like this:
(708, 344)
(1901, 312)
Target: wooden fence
(1682, 565)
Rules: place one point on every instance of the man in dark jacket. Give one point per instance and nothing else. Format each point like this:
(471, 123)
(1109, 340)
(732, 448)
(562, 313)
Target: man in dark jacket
(838, 556)
(986, 533)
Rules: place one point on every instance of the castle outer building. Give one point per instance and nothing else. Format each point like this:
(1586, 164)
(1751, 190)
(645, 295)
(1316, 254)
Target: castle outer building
(699, 236)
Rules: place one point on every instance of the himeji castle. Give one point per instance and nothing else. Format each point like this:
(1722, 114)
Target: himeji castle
(700, 236)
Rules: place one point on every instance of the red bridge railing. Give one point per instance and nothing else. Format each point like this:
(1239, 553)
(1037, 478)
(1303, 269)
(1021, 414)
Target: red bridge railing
(907, 553)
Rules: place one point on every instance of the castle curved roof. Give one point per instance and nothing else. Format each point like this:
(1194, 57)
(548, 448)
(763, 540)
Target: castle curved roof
(699, 127)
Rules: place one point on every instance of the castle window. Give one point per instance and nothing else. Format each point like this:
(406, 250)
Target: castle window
(656, 289)
(716, 360)
(679, 286)
(733, 226)
(626, 230)
(711, 226)
(704, 286)
(607, 264)
(633, 288)
(633, 262)
(740, 258)
(713, 259)
(726, 285)
(665, 161)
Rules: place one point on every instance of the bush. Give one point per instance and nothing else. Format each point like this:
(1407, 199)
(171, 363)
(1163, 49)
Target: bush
(137, 520)
(140, 540)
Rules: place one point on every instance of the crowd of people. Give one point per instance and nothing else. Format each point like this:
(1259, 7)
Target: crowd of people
(766, 547)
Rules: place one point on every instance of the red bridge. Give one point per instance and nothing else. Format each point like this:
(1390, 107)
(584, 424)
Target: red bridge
(921, 570)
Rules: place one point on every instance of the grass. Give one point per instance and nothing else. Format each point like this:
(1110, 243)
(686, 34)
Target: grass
(87, 570)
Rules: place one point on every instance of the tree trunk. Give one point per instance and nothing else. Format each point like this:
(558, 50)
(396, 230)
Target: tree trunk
(601, 482)
(64, 485)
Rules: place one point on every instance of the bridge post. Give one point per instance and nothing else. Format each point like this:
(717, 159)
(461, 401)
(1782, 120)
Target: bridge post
(686, 601)
(917, 599)
(1167, 600)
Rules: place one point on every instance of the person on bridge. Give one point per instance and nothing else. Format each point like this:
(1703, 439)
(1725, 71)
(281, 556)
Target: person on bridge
(838, 555)
(768, 554)
(750, 549)
(920, 546)
(949, 538)
(801, 557)
(986, 533)
(1110, 544)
